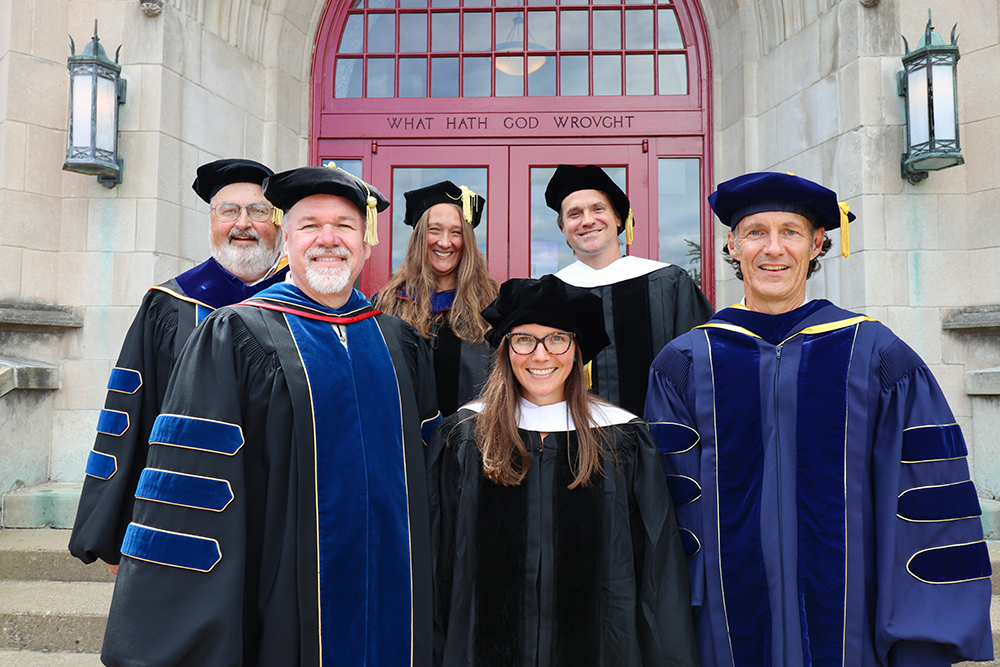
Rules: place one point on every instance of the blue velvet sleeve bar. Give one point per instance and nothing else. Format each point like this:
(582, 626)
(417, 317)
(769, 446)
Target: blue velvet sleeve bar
(933, 566)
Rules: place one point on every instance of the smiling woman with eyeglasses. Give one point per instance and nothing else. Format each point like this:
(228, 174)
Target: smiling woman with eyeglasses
(554, 529)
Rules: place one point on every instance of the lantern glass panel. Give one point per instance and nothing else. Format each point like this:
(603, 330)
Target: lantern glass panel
(82, 84)
(107, 101)
(916, 100)
(944, 102)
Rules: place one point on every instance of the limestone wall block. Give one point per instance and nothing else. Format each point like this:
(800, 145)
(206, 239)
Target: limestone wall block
(801, 53)
(829, 39)
(10, 272)
(291, 46)
(26, 416)
(193, 238)
(44, 159)
(921, 329)
(794, 121)
(953, 221)
(770, 81)
(85, 278)
(133, 276)
(49, 85)
(17, 37)
(886, 279)
(181, 44)
(911, 222)
(219, 129)
(944, 278)
(980, 146)
(72, 224)
(982, 440)
(289, 103)
(38, 274)
(13, 153)
(868, 230)
(982, 218)
(85, 382)
(852, 78)
(303, 14)
(883, 144)
(104, 329)
(111, 225)
(166, 267)
(977, 90)
(231, 75)
(48, 30)
(73, 434)
(140, 151)
(31, 220)
(951, 377)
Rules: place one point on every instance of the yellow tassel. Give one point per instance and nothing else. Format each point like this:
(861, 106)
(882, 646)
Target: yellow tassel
(845, 236)
(371, 226)
(467, 196)
(629, 223)
(277, 215)
(588, 374)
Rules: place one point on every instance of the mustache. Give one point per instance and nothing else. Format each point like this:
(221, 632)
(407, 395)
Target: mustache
(249, 232)
(338, 251)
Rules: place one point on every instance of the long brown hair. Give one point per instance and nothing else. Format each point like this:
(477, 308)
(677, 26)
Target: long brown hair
(474, 288)
(505, 458)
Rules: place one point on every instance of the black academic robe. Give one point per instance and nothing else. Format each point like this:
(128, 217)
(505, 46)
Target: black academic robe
(282, 516)
(542, 575)
(168, 314)
(460, 367)
(646, 305)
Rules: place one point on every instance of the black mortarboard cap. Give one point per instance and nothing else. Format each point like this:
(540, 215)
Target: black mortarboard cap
(549, 302)
(285, 189)
(445, 192)
(214, 176)
(569, 179)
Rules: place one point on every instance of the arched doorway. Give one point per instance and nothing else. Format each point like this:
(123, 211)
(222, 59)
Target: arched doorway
(494, 94)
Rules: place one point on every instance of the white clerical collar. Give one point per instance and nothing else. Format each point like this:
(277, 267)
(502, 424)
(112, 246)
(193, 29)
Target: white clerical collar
(579, 274)
(555, 418)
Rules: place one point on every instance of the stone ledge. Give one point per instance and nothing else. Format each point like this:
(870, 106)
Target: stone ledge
(983, 382)
(27, 374)
(52, 505)
(985, 319)
(16, 316)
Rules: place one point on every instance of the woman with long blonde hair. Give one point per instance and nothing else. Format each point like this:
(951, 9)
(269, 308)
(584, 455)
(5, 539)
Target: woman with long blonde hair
(554, 532)
(442, 286)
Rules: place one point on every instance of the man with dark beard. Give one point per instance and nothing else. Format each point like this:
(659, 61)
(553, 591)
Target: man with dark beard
(283, 516)
(244, 235)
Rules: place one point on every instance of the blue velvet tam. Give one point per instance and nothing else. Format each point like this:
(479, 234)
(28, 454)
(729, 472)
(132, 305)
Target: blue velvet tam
(445, 192)
(213, 176)
(549, 302)
(772, 191)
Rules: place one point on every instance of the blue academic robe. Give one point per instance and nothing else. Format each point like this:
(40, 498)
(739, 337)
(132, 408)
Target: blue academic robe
(282, 517)
(823, 494)
(168, 315)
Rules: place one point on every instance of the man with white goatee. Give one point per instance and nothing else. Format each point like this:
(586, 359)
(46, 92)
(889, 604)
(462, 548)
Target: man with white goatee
(245, 236)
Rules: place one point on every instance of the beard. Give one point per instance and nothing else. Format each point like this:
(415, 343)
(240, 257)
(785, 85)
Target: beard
(327, 280)
(246, 260)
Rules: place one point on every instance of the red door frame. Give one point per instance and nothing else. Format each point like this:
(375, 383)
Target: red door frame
(659, 118)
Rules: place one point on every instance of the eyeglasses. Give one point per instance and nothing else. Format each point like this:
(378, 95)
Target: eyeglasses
(227, 212)
(554, 343)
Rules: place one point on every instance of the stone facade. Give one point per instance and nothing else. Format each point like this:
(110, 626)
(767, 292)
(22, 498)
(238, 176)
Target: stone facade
(807, 86)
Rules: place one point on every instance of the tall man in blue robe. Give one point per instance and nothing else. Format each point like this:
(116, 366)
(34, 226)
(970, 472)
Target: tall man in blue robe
(245, 237)
(282, 518)
(820, 477)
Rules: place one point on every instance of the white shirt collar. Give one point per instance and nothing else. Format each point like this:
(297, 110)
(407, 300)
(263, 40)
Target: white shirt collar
(579, 274)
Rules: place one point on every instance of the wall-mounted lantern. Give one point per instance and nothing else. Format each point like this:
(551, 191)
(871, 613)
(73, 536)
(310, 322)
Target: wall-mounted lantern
(96, 89)
(929, 87)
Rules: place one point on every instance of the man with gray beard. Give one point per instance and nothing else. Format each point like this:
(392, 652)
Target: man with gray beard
(245, 237)
(283, 518)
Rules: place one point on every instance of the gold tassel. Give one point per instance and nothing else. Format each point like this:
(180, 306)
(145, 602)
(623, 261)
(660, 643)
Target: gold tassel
(845, 236)
(588, 374)
(629, 224)
(371, 228)
(467, 196)
(277, 215)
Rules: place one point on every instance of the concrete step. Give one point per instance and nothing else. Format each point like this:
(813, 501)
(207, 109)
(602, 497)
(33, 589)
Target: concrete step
(41, 554)
(48, 505)
(53, 615)
(42, 659)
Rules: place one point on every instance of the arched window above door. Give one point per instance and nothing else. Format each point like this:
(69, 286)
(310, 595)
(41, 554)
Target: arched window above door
(510, 48)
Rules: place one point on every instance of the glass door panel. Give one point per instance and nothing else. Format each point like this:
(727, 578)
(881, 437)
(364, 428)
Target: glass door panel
(405, 179)
(537, 245)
